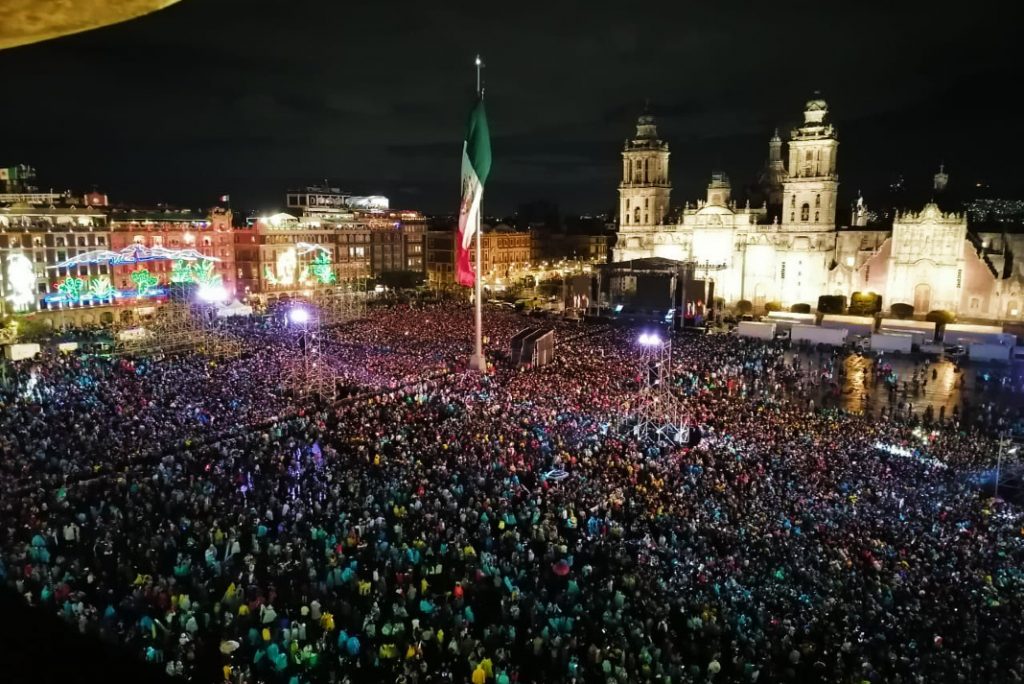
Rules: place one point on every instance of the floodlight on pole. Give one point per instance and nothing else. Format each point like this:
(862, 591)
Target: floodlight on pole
(649, 339)
(298, 316)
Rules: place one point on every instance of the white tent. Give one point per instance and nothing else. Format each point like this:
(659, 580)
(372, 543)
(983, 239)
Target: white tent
(235, 308)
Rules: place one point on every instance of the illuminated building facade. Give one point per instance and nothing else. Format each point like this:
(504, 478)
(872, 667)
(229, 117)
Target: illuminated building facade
(283, 254)
(325, 202)
(34, 241)
(182, 233)
(396, 241)
(791, 251)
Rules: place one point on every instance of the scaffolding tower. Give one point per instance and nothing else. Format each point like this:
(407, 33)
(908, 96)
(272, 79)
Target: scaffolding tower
(177, 326)
(659, 416)
(215, 343)
(307, 372)
(341, 303)
(173, 329)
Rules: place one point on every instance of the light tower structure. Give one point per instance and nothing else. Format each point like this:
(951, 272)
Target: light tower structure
(308, 375)
(659, 415)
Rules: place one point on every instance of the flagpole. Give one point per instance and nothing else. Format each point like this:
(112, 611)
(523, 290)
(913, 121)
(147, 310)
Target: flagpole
(478, 362)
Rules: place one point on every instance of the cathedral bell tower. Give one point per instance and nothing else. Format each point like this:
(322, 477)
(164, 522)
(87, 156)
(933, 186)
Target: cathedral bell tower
(644, 190)
(809, 191)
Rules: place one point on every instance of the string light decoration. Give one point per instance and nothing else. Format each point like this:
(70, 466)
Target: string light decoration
(101, 288)
(133, 254)
(71, 287)
(144, 281)
(322, 269)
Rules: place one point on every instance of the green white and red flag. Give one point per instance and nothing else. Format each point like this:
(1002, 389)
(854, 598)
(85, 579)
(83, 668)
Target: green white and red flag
(476, 165)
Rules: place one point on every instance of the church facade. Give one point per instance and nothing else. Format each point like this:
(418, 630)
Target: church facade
(796, 252)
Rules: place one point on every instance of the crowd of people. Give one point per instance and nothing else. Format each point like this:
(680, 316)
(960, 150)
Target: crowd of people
(444, 526)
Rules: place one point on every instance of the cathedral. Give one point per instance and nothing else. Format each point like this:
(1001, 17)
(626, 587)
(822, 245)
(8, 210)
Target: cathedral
(790, 250)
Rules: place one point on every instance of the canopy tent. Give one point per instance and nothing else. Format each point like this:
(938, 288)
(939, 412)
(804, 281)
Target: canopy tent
(235, 308)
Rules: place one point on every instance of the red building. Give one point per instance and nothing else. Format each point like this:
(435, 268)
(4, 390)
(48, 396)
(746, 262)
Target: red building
(209, 235)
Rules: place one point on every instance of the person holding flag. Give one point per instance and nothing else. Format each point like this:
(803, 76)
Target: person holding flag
(476, 165)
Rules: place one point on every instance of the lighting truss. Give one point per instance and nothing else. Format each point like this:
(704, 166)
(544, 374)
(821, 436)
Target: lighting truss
(175, 328)
(659, 416)
(341, 303)
(307, 371)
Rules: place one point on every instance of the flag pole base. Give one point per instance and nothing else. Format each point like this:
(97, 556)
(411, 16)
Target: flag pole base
(478, 363)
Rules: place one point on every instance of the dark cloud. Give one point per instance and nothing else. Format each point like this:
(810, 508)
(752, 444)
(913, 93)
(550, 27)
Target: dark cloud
(251, 96)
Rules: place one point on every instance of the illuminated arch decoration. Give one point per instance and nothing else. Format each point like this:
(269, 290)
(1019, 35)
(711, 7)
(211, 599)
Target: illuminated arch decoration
(134, 254)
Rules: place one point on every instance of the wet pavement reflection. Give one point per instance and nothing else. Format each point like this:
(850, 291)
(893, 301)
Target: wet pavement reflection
(862, 383)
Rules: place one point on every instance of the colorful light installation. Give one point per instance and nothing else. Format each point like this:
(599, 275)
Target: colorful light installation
(181, 271)
(71, 287)
(21, 278)
(144, 281)
(134, 254)
(201, 273)
(101, 288)
(320, 268)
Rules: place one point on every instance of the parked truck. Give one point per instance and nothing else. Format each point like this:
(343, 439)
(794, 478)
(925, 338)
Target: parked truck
(761, 331)
(17, 352)
(919, 337)
(990, 352)
(892, 342)
(835, 337)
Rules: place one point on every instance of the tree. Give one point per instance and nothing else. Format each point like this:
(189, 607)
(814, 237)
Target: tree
(800, 308)
(941, 319)
(772, 306)
(744, 306)
(865, 303)
(901, 310)
(831, 304)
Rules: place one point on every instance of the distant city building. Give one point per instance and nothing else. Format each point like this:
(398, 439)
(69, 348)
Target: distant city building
(322, 201)
(288, 254)
(503, 249)
(17, 179)
(793, 252)
(993, 211)
(573, 246)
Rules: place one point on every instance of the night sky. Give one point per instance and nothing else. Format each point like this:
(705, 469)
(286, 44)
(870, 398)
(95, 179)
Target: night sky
(249, 97)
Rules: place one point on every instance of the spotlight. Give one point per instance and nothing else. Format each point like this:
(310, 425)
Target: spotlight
(212, 293)
(649, 339)
(299, 316)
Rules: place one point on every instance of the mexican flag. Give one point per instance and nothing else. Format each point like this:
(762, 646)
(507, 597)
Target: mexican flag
(476, 164)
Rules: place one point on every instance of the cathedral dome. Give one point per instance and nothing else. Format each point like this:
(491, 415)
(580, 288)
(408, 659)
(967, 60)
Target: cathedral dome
(717, 209)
